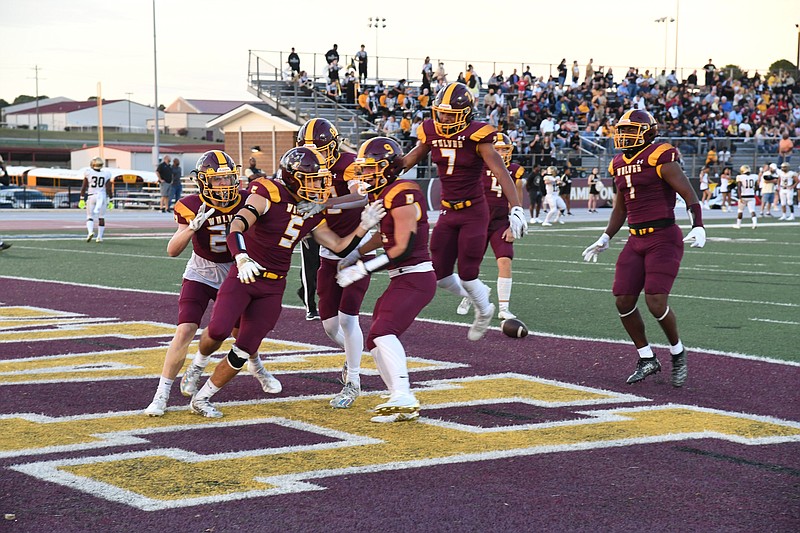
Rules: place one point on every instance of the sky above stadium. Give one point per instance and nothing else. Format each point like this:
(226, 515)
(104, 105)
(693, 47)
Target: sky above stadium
(202, 46)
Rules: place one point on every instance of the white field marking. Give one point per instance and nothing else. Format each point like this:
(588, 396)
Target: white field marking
(531, 332)
(48, 322)
(672, 295)
(53, 471)
(775, 321)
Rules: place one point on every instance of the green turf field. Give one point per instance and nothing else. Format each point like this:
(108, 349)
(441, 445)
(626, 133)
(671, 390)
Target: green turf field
(739, 294)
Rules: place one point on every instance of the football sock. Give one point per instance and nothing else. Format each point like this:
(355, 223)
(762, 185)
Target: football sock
(393, 359)
(334, 331)
(90, 226)
(503, 292)
(353, 346)
(164, 384)
(100, 231)
(675, 350)
(478, 293)
(208, 390)
(200, 359)
(646, 352)
(452, 283)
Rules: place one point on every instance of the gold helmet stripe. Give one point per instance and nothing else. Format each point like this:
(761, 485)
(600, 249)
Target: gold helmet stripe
(448, 93)
(221, 157)
(309, 137)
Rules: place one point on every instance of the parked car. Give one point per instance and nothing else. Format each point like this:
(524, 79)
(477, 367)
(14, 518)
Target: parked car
(66, 200)
(26, 199)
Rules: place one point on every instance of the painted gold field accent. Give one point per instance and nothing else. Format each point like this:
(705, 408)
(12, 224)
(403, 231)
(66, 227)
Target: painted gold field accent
(173, 477)
(23, 311)
(125, 330)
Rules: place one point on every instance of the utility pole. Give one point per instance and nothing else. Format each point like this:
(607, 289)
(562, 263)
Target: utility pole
(129, 111)
(156, 155)
(38, 131)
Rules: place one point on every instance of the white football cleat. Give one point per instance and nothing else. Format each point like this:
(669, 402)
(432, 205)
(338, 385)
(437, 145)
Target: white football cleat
(463, 307)
(481, 324)
(404, 403)
(268, 382)
(783, 217)
(546, 223)
(190, 380)
(157, 406)
(204, 408)
(505, 314)
(397, 417)
(736, 226)
(790, 217)
(345, 399)
(90, 237)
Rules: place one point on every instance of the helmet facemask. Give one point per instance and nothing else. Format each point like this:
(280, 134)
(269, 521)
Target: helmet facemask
(504, 147)
(212, 189)
(314, 187)
(448, 121)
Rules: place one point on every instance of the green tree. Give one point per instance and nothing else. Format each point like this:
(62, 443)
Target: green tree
(782, 64)
(24, 98)
(732, 72)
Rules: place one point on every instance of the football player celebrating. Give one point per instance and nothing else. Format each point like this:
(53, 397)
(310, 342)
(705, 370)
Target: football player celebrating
(551, 198)
(499, 233)
(338, 307)
(262, 235)
(460, 146)
(787, 179)
(647, 175)
(96, 197)
(202, 219)
(412, 282)
(746, 193)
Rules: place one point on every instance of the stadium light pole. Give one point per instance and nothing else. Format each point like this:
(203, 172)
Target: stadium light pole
(156, 154)
(129, 111)
(377, 23)
(666, 21)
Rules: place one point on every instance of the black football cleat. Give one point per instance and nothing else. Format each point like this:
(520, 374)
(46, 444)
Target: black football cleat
(644, 368)
(679, 369)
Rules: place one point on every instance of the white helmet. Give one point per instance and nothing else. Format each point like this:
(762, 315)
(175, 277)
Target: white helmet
(773, 167)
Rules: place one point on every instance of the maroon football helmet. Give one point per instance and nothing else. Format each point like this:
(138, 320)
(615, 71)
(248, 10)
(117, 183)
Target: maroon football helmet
(321, 133)
(635, 129)
(211, 170)
(503, 146)
(378, 163)
(452, 109)
(304, 173)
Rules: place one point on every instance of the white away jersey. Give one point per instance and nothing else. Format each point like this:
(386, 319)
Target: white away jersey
(748, 183)
(97, 180)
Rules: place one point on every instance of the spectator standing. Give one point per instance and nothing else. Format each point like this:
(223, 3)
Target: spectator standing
(785, 147)
(361, 59)
(164, 171)
(252, 172)
(562, 72)
(294, 62)
(594, 183)
(332, 54)
(710, 71)
(576, 72)
(589, 72)
(691, 79)
(176, 187)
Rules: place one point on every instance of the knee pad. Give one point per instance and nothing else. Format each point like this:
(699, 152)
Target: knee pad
(235, 358)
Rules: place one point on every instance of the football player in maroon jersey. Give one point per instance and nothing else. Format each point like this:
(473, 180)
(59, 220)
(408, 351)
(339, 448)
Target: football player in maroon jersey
(460, 147)
(261, 238)
(412, 281)
(339, 307)
(202, 219)
(647, 174)
(499, 235)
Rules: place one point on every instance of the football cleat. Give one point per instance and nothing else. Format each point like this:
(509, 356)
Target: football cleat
(99, 240)
(4, 246)
(644, 368)
(312, 315)
(505, 314)
(481, 324)
(790, 218)
(737, 226)
(190, 380)
(546, 223)
(204, 408)
(400, 403)
(560, 221)
(463, 307)
(680, 370)
(397, 417)
(90, 237)
(268, 382)
(157, 406)
(345, 399)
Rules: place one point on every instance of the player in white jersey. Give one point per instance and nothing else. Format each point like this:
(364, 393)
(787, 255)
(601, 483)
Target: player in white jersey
(551, 196)
(96, 197)
(746, 192)
(787, 180)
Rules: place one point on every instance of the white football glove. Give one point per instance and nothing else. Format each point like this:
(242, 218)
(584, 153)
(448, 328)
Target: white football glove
(372, 215)
(202, 215)
(309, 209)
(248, 269)
(698, 235)
(591, 253)
(519, 225)
(351, 274)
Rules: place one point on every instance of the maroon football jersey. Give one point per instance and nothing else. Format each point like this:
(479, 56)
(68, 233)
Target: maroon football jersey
(342, 221)
(492, 189)
(274, 235)
(457, 159)
(638, 179)
(399, 194)
(209, 241)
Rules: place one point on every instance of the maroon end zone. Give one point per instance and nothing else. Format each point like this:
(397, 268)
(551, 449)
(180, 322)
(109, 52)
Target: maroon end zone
(693, 484)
